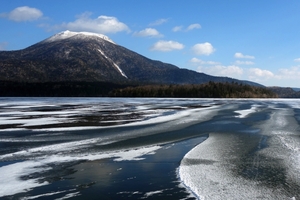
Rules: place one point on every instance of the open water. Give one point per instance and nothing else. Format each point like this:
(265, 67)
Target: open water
(131, 148)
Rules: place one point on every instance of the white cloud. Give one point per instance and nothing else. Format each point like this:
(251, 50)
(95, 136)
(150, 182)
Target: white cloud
(202, 62)
(292, 73)
(189, 28)
(163, 45)
(260, 73)
(240, 55)
(102, 24)
(23, 13)
(221, 70)
(297, 60)
(288, 77)
(238, 62)
(193, 26)
(159, 22)
(203, 49)
(177, 28)
(284, 76)
(148, 32)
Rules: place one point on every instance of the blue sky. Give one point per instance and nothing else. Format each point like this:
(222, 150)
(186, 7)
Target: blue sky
(245, 39)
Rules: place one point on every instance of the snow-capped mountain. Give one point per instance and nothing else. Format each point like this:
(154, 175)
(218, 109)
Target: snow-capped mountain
(91, 57)
(70, 34)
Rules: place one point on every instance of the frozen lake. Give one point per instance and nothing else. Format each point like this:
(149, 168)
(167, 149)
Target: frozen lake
(120, 148)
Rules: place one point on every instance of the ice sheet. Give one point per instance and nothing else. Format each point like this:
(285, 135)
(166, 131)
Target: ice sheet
(11, 182)
(209, 170)
(206, 170)
(211, 161)
(180, 118)
(152, 193)
(46, 195)
(70, 195)
(245, 113)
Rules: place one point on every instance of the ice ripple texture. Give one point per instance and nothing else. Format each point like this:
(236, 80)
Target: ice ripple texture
(263, 164)
(39, 136)
(252, 151)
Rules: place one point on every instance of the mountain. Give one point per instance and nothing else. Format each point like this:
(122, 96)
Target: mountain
(90, 57)
(296, 89)
(285, 92)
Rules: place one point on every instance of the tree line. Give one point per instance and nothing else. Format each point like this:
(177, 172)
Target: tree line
(57, 89)
(107, 89)
(207, 90)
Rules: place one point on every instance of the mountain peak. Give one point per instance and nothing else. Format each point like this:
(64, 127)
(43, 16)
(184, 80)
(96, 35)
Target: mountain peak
(69, 34)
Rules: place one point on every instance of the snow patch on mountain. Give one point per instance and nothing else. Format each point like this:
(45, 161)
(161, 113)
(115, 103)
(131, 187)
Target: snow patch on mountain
(116, 66)
(69, 34)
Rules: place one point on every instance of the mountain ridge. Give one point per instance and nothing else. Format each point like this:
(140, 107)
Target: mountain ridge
(83, 56)
(69, 34)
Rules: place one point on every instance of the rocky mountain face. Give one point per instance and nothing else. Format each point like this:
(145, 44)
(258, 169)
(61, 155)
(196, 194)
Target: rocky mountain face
(89, 57)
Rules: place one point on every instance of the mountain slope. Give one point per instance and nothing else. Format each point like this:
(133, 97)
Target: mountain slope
(285, 92)
(90, 57)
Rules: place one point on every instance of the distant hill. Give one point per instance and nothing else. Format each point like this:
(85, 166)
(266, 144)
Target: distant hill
(88, 57)
(296, 89)
(285, 92)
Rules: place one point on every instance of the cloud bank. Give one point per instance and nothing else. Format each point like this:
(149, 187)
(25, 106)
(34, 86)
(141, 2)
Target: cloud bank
(221, 70)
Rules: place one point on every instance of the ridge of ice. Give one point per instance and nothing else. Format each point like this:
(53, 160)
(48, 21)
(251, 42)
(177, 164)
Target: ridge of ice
(68, 34)
(245, 113)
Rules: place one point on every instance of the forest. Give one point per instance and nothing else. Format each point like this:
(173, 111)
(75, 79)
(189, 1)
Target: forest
(56, 89)
(207, 90)
(107, 89)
